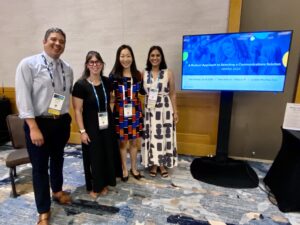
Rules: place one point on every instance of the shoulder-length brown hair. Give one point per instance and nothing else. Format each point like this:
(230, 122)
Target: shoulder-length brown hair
(86, 71)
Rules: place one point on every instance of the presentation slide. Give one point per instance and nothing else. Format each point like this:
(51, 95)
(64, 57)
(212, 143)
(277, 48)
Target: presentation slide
(255, 61)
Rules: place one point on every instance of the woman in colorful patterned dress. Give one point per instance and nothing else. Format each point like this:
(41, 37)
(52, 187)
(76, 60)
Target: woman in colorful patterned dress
(126, 81)
(159, 148)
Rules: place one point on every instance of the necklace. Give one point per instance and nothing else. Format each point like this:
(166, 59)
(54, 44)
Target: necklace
(95, 81)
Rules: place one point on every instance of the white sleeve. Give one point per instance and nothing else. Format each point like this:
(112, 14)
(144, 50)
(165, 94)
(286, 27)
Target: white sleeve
(23, 85)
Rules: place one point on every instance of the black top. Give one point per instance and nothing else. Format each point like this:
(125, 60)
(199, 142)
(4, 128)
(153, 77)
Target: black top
(84, 90)
(101, 157)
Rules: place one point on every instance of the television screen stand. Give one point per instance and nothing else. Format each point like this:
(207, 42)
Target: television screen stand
(219, 169)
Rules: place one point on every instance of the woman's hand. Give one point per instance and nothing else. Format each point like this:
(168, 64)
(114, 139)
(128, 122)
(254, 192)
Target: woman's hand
(85, 138)
(175, 117)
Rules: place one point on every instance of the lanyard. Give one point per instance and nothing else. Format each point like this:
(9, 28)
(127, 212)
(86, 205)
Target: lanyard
(131, 87)
(158, 77)
(51, 76)
(95, 93)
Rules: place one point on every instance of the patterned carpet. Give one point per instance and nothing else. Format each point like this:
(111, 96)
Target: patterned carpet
(178, 199)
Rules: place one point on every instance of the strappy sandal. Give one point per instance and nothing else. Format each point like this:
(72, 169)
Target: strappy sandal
(62, 198)
(44, 218)
(164, 173)
(153, 172)
(104, 191)
(94, 195)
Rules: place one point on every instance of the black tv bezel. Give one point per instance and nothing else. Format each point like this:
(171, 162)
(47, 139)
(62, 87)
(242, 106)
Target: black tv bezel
(234, 90)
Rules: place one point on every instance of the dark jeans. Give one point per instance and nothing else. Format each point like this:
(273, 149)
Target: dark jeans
(56, 133)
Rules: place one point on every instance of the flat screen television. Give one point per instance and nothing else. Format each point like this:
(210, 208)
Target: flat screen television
(245, 61)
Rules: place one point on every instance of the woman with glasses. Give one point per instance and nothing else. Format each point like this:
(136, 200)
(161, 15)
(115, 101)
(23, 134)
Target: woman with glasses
(100, 150)
(127, 111)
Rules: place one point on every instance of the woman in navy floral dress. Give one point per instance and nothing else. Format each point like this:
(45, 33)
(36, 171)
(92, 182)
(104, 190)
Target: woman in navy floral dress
(159, 148)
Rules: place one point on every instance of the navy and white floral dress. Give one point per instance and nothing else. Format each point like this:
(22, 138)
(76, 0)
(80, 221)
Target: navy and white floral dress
(159, 145)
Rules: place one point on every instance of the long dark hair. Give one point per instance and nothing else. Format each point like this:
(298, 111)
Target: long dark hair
(86, 71)
(117, 70)
(162, 65)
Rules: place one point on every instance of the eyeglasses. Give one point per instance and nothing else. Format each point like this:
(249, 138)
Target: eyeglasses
(97, 63)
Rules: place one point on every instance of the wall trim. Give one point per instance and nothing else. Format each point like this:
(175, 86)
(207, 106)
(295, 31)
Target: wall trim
(297, 98)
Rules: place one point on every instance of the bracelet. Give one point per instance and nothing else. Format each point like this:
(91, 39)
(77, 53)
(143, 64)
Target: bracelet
(82, 131)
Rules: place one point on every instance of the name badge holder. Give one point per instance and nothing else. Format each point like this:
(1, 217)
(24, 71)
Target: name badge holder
(128, 110)
(102, 115)
(152, 97)
(127, 106)
(103, 120)
(56, 104)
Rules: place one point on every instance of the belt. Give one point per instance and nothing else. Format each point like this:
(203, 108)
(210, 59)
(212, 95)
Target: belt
(52, 117)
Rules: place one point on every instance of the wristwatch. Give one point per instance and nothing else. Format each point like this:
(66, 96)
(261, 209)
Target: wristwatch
(82, 131)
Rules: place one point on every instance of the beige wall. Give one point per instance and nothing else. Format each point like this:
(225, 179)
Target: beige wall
(104, 25)
(257, 117)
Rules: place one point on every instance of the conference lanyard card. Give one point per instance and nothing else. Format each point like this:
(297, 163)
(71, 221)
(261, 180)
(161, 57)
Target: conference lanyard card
(103, 120)
(152, 97)
(128, 110)
(56, 104)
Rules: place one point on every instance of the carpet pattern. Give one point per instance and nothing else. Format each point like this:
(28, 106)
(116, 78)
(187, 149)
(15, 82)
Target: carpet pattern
(178, 199)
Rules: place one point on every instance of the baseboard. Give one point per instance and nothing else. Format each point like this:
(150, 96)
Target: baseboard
(252, 159)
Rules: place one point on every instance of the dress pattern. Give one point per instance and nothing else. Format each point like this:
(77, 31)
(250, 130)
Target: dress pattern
(159, 145)
(127, 128)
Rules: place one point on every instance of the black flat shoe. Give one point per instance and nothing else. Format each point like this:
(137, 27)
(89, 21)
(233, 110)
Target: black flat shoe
(124, 179)
(138, 176)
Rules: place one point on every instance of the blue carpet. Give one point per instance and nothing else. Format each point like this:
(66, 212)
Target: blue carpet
(178, 199)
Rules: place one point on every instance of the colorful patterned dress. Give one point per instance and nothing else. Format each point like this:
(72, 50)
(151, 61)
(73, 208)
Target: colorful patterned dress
(159, 145)
(127, 128)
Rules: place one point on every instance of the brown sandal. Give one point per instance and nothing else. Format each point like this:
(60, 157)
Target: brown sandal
(94, 195)
(44, 218)
(153, 171)
(104, 191)
(62, 197)
(163, 172)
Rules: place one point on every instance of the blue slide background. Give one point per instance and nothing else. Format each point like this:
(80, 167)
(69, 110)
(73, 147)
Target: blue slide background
(257, 53)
